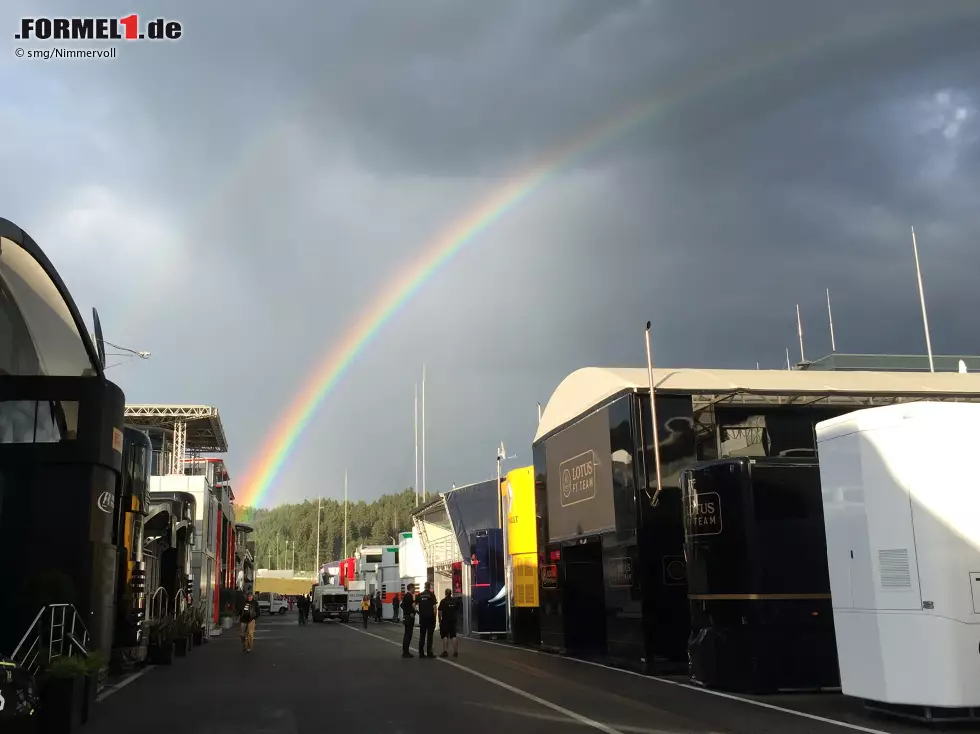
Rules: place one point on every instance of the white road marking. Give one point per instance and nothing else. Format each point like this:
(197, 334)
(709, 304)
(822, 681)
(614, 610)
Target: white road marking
(123, 683)
(710, 692)
(524, 694)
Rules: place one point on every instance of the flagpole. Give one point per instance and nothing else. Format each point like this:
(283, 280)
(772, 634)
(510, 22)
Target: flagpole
(922, 300)
(417, 444)
(345, 514)
(423, 435)
(799, 331)
(653, 419)
(316, 563)
(830, 316)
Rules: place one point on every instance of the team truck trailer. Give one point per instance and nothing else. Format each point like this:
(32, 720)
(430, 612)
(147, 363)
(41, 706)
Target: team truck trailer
(377, 566)
(761, 615)
(903, 549)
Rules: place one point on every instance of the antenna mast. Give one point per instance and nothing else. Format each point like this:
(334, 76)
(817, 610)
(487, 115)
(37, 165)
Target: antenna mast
(653, 420)
(799, 331)
(830, 315)
(922, 300)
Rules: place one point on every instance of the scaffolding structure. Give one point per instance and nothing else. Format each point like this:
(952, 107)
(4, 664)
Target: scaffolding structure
(184, 431)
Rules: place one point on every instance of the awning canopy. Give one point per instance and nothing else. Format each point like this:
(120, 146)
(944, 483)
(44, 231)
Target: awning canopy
(586, 389)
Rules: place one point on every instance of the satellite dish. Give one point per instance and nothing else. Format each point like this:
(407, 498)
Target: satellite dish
(99, 342)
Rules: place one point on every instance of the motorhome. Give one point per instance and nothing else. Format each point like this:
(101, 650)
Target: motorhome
(355, 593)
(411, 561)
(377, 567)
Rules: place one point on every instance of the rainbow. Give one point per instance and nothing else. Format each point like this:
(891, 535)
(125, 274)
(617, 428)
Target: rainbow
(331, 368)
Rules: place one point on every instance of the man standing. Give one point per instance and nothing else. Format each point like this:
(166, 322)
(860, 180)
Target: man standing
(447, 624)
(427, 620)
(394, 607)
(250, 612)
(408, 610)
(379, 608)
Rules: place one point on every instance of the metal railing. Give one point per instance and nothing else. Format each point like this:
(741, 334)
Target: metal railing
(442, 552)
(66, 635)
(159, 602)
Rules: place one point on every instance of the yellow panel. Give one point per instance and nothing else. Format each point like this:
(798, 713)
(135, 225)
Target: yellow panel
(300, 587)
(526, 580)
(518, 492)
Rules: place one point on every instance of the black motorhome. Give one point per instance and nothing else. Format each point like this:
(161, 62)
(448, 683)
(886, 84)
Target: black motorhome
(613, 576)
(761, 615)
(61, 444)
(612, 572)
(132, 506)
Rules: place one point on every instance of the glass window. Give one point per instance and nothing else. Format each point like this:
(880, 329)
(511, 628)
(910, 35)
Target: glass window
(746, 438)
(37, 333)
(31, 421)
(373, 559)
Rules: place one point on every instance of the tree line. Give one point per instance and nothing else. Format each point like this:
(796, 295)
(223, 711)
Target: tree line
(289, 531)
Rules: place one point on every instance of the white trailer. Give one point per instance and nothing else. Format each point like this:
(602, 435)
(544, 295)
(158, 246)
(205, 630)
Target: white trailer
(901, 502)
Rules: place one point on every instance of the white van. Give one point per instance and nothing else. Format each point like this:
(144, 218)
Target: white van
(330, 602)
(272, 603)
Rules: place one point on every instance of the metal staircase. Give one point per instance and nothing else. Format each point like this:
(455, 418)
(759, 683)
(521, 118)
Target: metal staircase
(57, 631)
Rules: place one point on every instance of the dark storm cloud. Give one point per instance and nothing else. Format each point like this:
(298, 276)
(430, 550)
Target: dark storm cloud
(294, 157)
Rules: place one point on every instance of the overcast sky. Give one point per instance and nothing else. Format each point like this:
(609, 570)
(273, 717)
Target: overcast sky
(231, 201)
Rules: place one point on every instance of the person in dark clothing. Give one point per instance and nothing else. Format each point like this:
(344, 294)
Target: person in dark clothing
(447, 623)
(408, 610)
(394, 607)
(303, 606)
(250, 612)
(379, 608)
(426, 604)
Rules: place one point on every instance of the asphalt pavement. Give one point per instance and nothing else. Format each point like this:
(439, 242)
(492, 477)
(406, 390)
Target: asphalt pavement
(320, 677)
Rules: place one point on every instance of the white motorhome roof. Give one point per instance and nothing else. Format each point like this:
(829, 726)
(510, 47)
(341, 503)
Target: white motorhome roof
(589, 387)
(870, 419)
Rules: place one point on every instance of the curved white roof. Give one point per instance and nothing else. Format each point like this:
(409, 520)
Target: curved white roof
(589, 387)
(885, 416)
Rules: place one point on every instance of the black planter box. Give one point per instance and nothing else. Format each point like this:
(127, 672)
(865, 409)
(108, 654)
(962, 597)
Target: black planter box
(180, 646)
(62, 704)
(162, 654)
(199, 638)
(88, 700)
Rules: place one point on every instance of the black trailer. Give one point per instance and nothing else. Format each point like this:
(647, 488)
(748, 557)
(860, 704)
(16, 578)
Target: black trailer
(758, 584)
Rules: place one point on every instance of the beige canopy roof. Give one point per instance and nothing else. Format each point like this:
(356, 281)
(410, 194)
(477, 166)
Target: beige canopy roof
(589, 387)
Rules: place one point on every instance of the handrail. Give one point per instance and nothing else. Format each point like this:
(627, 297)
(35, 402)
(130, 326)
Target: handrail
(152, 605)
(30, 659)
(29, 629)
